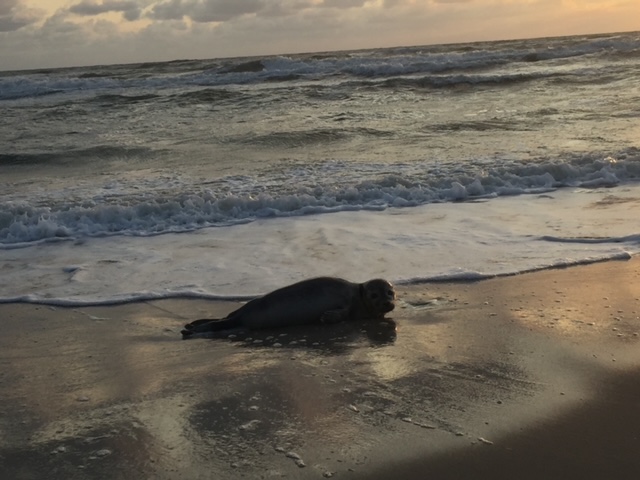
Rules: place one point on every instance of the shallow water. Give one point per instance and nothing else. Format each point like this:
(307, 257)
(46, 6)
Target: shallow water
(444, 241)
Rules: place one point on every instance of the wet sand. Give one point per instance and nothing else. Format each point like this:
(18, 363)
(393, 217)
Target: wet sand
(525, 377)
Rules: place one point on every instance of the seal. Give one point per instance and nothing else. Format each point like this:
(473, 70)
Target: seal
(317, 300)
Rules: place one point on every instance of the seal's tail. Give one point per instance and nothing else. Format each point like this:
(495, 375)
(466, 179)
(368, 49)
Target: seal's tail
(206, 325)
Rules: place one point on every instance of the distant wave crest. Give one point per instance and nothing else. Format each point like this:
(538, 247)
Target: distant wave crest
(435, 66)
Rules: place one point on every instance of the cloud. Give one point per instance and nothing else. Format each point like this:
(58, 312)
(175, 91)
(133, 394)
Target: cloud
(6, 6)
(417, 3)
(205, 11)
(14, 16)
(130, 9)
(344, 3)
(284, 8)
(216, 11)
(171, 10)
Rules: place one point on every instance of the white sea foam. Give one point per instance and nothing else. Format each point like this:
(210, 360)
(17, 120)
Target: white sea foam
(179, 204)
(435, 242)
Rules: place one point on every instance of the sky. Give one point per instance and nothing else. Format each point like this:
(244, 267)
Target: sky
(60, 33)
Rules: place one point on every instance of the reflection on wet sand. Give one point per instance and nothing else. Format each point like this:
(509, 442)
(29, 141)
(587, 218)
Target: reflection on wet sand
(336, 339)
(596, 439)
(473, 381)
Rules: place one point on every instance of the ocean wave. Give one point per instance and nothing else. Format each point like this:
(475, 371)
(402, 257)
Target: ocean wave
(454, 60)
(309, 137)
(103, 152)
(121, 299)
(182, 205)
(451, 81)
(592, 240)
(469, 276)
(185, 293)
(207, 95)
(111, 99)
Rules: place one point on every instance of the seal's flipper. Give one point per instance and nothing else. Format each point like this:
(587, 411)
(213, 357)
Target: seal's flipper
(205, 325)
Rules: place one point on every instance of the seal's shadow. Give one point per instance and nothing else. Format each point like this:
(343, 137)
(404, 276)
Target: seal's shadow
(331, 339)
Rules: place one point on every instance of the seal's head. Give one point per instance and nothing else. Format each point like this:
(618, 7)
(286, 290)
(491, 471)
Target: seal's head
(378, 296)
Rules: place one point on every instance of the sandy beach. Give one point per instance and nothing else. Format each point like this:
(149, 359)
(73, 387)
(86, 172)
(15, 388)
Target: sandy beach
(535, 376)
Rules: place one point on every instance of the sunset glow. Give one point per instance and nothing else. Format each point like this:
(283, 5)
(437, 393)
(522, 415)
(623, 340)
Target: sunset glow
(46, 33)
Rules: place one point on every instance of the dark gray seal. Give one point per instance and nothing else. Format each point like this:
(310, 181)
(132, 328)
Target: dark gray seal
(318, 300)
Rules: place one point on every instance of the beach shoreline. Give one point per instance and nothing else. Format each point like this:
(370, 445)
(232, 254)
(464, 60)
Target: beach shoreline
(530, 376)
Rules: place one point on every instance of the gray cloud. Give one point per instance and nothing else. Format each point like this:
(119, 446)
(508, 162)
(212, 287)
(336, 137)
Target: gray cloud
(130, 9)
(9, 23)
(222, 10)
(13, 17)
(284, 8)
(6, 6)
(408, 3)
(344, 3)
(171, 10)
(393, 3)
(205, 11)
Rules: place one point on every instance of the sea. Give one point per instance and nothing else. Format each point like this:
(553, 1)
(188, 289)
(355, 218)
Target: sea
(227, 178)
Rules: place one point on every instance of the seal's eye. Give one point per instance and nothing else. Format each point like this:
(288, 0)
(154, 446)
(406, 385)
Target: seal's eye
(390, 293)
